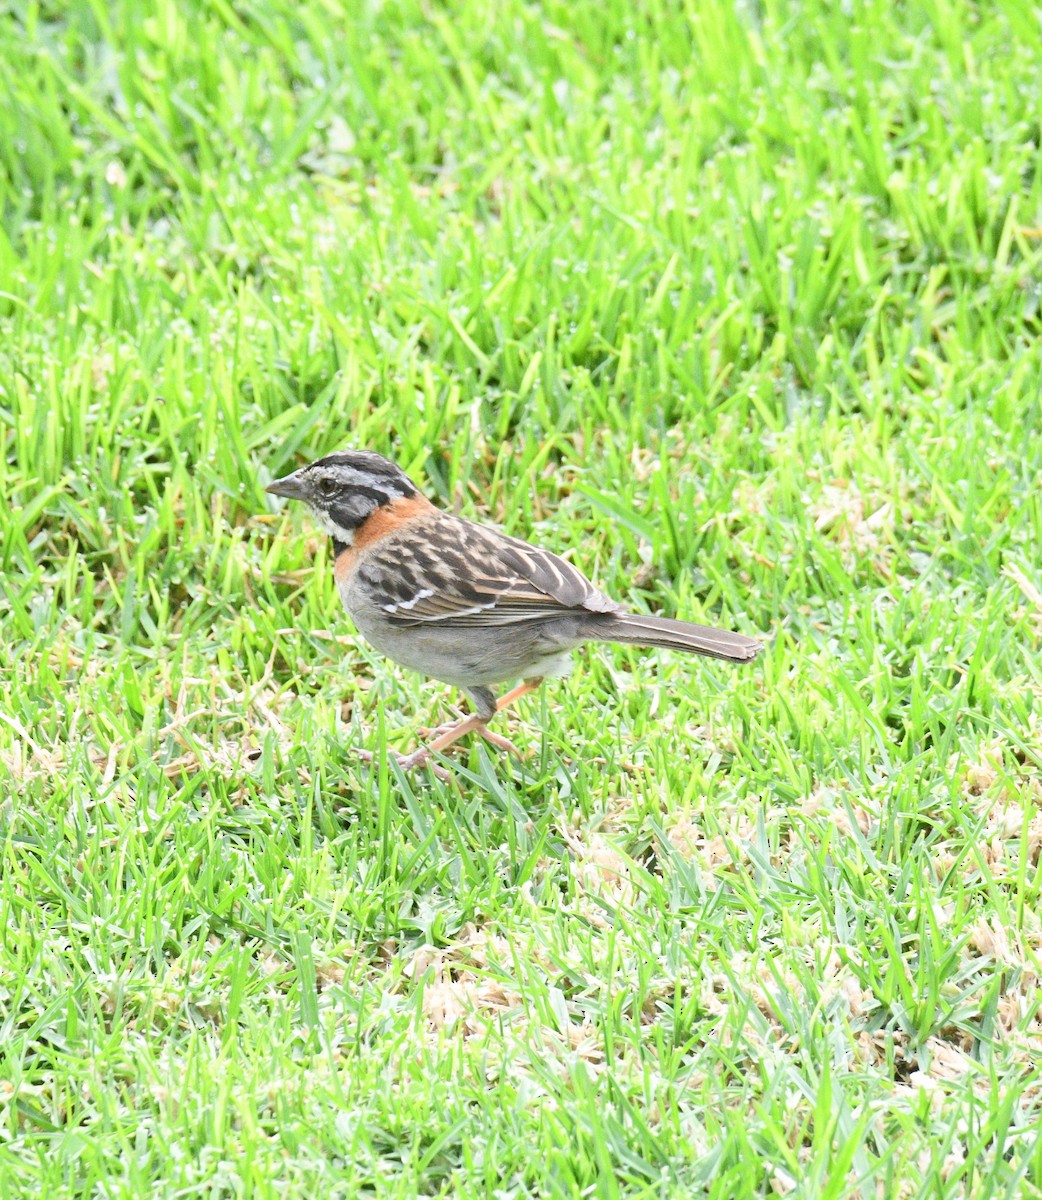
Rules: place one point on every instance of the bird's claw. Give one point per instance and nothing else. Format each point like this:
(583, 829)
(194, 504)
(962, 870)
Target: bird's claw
(500, 742)
(408, 762)
(494, 739)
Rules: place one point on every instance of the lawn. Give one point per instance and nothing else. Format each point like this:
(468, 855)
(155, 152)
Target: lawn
(735, 302)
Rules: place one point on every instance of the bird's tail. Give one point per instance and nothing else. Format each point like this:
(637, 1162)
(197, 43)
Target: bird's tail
(639, 630)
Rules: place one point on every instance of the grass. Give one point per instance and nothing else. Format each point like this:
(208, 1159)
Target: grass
(737, 303)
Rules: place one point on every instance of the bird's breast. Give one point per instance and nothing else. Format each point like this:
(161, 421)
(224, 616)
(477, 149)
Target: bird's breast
(344, 566)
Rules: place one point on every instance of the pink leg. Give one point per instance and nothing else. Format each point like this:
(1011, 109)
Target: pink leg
(469, 724)
(515, 693)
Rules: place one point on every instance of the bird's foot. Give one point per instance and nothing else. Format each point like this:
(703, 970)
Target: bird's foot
(425, 731)
(409, 762)
(494, 739)
(499, 741)
(445, 737)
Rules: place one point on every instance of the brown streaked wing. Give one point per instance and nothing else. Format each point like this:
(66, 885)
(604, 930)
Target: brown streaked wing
(484, 577)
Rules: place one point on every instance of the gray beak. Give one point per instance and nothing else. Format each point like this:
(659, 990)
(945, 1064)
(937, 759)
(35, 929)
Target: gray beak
(289, 486)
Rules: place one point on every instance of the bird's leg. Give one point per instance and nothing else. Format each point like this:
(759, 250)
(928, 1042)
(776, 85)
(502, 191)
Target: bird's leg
(453, 734)
(408, 761)
(470, 724)
(479, 726)
(485, 705)
(515, 693)
(476, 722)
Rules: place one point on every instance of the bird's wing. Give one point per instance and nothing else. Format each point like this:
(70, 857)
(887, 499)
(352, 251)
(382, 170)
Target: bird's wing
(463, 575)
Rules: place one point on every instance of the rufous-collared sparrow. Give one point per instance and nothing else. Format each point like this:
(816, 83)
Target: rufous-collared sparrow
(462, 602)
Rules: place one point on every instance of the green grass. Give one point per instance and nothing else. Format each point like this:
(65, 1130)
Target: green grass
(737, 303)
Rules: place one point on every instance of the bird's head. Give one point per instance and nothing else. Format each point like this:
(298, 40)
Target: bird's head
(343, 490)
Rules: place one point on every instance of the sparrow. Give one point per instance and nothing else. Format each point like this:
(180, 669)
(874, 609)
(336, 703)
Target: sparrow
(462, 602)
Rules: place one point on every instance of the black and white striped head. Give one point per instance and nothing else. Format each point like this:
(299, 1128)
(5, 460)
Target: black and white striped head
(343, 490)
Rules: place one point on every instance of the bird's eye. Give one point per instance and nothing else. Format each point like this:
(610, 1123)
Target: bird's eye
(327, 487)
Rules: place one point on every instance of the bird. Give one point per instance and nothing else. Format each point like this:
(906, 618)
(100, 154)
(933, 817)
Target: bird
(462, 602)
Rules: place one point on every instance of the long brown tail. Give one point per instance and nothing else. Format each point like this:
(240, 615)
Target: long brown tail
(639, 630)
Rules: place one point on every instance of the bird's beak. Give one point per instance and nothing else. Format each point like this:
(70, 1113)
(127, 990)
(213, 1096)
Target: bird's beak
(289, 486)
